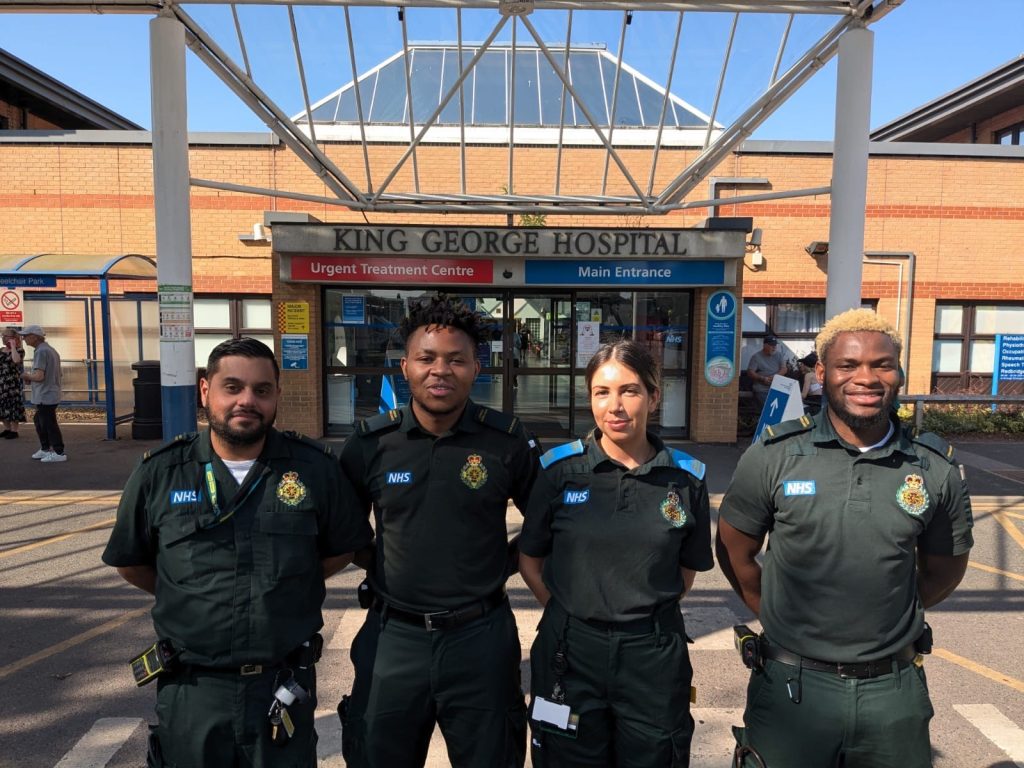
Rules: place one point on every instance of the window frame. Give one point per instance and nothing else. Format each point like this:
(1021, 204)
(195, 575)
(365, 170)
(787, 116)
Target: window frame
(1015, 132)
(966, 379)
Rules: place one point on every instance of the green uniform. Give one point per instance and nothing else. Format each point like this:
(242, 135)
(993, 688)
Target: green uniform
(439, 504)
(614, 542)
(238, 591)
(839, 586)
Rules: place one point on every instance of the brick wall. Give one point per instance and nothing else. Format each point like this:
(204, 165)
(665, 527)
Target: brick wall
(962, 217)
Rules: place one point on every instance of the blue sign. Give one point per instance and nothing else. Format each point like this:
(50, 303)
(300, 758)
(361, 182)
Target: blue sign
(27, 281)
(774, 408)
(353, 310)
(624, 272)
(720, 339)
(1009, 362)
(294, 351)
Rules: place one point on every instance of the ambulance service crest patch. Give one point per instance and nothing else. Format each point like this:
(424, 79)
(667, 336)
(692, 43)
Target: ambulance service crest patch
(474, 473)
(672, 510)
(912, 497)
(290, 490)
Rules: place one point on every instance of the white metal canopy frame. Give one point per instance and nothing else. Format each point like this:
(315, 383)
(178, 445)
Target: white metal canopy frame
(377, 190)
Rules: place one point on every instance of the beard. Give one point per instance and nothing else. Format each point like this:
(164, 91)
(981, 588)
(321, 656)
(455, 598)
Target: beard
(855, 421)
(240, 437)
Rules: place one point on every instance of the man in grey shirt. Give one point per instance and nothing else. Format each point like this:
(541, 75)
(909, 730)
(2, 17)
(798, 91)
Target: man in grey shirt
(45, 380)
(763, 365)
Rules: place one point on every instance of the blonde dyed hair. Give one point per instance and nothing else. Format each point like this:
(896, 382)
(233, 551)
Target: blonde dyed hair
(852, 321)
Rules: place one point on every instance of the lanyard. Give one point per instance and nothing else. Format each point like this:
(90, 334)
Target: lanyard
(237, 500)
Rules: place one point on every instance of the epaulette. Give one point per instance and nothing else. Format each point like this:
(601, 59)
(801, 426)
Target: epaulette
(563, 451)
(496, 419)
(305, 440)
(687, 462)
(376, 423)
(774, 432)
(186, 437)
(933, 442)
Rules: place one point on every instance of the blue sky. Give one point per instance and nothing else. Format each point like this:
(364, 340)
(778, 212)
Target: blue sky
(923, 49)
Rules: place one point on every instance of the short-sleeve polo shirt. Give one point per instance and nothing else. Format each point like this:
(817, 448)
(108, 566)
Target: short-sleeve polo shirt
(249, 589)
(615, 539)
(839, 576)
(439, 503)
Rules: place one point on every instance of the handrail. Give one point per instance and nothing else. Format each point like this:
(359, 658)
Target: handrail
(920, 400)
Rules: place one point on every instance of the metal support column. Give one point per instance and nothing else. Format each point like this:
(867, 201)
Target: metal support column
(108, 361)
(849, 172)
(173, 228)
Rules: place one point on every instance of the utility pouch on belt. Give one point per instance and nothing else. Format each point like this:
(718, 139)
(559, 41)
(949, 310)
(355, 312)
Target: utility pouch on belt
(158, 658)
(365, 594)
(923, 644)
(748, 644)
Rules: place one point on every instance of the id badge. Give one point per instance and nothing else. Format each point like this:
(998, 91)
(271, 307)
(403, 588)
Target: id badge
(555, 718)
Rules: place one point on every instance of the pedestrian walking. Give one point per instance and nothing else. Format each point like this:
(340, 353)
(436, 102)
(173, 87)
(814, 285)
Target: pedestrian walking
(45, 378)
(12, 396)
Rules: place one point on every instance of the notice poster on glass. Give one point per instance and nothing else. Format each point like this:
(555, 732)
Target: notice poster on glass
(588, 340)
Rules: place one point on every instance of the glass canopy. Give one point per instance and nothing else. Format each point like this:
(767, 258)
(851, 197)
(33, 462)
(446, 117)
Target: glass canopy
(488, 97)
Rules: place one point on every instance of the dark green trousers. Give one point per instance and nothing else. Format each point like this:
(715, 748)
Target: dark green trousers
(208, 719)
(881, 722)
(466, 680)
(352, 709)
(631, 691)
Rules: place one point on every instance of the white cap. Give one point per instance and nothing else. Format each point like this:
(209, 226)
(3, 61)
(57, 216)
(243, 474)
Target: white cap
(33, 330)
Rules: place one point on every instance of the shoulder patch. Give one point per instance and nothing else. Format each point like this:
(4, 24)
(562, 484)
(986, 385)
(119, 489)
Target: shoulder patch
(776, 432)
(182, 439)
(687, 462)
(497, 420)
(381, 421)
(933, 442)
(561, 452)
(305, 440)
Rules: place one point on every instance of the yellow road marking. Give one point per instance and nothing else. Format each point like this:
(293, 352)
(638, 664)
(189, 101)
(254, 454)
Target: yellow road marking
(1014, 514)
(990, 569)
(57, 499)
(980, 669)
(55, 539)
(1011, 528)
(53, 650)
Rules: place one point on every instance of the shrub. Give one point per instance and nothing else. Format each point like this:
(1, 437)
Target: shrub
(954, 419)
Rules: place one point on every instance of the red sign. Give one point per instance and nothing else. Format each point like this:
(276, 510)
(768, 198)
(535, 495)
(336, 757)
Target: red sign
(356, 269)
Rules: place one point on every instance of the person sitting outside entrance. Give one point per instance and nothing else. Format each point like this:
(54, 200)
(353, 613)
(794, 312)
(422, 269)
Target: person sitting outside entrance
(763, 366)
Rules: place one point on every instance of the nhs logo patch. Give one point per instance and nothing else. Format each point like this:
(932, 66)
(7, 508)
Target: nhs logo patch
(799, 488)
(186, 497)
(399, 478)
(576, 497)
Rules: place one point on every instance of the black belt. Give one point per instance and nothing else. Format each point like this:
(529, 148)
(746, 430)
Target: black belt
(450, 619)
(305, 655)
(860, 670)
(641, 626)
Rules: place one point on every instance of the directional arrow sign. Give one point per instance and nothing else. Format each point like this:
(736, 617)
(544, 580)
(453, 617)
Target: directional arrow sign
(782, 403)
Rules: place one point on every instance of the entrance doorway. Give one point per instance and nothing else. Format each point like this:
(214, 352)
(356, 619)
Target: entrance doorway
(533, 358)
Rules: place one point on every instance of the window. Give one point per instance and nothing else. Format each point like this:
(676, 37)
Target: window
(796, 323)
(1011, 136)
(963, 349)
(219, 319)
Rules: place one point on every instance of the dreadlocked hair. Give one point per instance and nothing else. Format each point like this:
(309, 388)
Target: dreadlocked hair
(442, 311)
(851, 321)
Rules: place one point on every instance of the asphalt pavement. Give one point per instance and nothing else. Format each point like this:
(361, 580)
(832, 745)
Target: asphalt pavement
(68, 623)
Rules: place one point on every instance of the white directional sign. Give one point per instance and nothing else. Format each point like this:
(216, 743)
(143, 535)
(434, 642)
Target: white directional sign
(782, 403)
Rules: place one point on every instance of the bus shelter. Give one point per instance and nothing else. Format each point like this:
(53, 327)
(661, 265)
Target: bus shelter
(44, 269)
